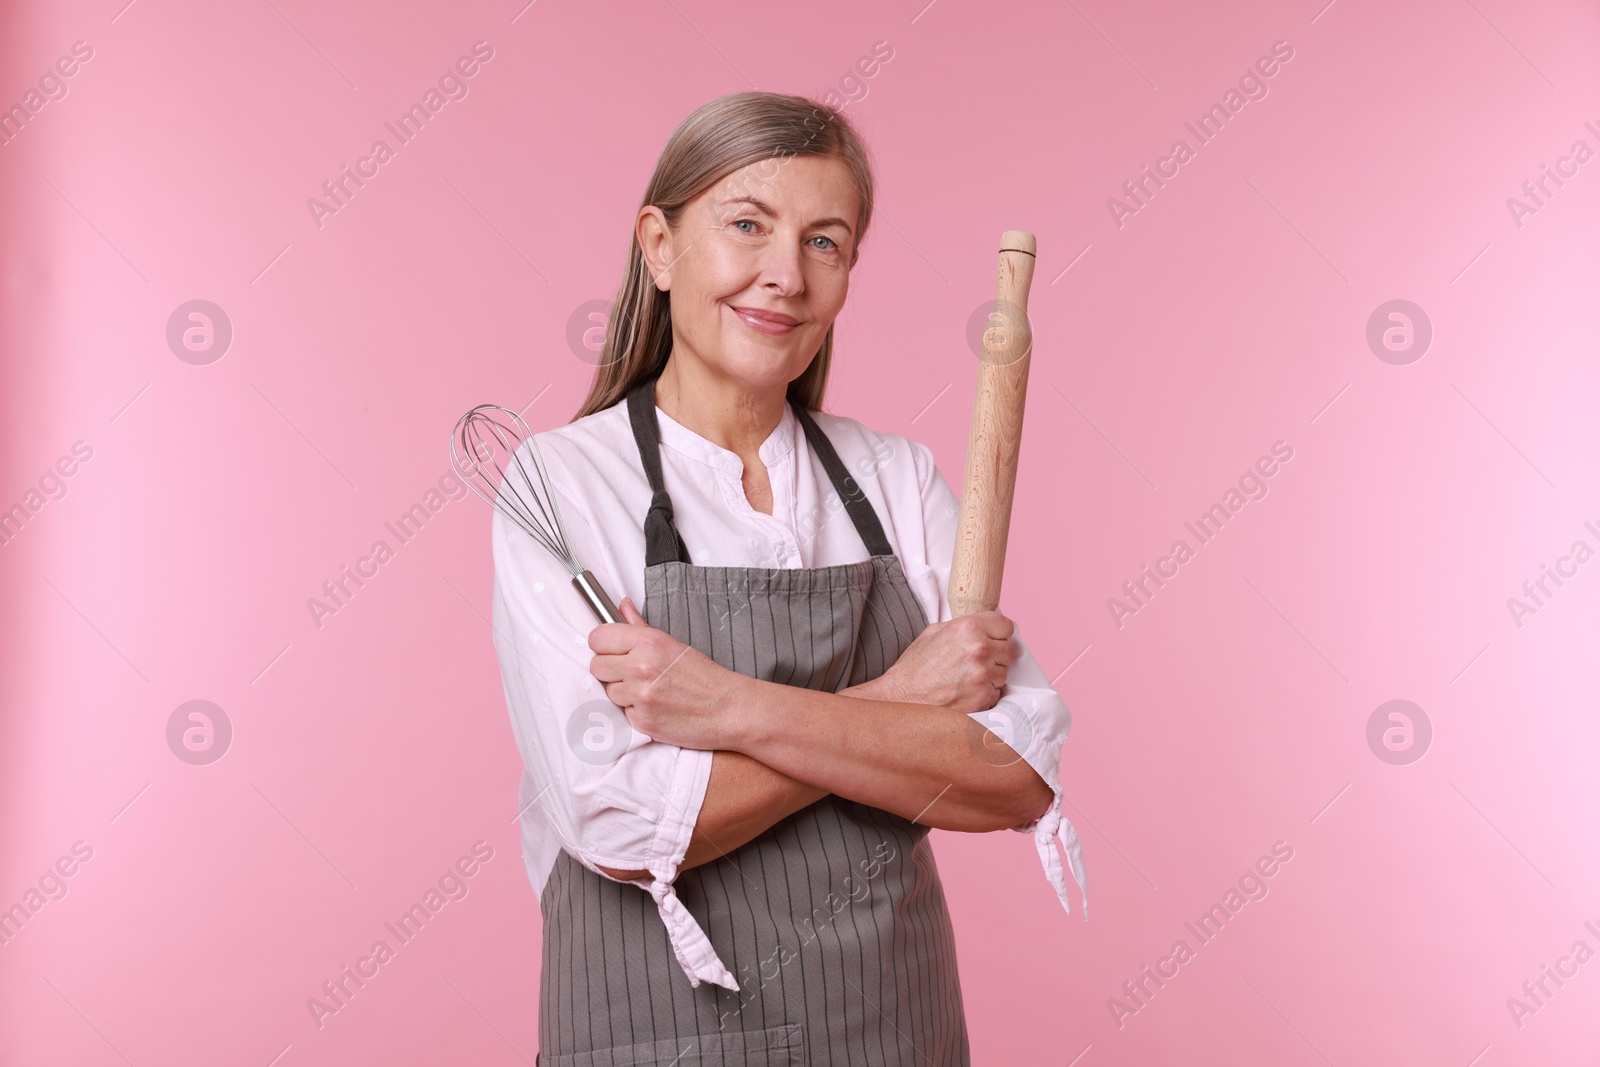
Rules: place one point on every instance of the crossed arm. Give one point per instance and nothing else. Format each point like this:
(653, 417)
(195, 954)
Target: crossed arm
(779, 748)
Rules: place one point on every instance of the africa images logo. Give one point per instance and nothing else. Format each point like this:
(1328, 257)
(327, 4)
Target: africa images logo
(1211, 122)
(452, 85)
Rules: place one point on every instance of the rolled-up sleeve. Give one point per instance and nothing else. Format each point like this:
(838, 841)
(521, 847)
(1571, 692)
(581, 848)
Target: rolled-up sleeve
(611, 795)
(1030, 717)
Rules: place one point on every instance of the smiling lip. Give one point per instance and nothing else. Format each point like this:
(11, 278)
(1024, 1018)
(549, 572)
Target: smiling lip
(767, 321)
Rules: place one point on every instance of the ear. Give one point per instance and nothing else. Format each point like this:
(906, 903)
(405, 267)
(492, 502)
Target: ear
(656, 243)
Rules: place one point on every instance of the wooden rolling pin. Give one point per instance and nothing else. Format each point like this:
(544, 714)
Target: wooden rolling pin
(980, 552)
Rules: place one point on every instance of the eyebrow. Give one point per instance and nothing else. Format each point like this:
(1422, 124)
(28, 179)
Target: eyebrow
(765, 208)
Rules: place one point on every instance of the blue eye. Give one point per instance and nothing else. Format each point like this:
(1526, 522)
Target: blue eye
(830, 241)
(741, 222)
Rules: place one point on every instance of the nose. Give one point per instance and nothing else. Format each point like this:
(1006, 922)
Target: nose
(782, 268)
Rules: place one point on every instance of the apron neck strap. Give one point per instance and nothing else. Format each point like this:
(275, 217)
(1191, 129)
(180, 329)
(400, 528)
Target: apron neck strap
(855, 501)
(663, 543)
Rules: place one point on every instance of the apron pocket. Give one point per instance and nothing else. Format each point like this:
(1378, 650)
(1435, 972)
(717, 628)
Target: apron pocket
(781, 1046)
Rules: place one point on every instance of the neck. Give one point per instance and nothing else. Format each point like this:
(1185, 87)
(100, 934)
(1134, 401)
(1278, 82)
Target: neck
(723, 411)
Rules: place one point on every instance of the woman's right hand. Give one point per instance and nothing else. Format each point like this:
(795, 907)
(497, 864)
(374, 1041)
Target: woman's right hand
(960, 664)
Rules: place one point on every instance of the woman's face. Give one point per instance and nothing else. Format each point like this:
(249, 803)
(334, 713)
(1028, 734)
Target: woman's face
(758, 267)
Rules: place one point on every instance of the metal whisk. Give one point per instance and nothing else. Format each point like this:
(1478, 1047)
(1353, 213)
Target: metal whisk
(484, 448)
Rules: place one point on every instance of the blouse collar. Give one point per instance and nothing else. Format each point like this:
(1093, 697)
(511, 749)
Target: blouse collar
(779, 443)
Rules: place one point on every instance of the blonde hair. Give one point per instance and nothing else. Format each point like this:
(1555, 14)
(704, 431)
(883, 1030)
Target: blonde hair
(718, 139)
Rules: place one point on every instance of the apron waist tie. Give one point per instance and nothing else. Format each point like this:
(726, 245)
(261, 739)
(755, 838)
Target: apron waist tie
(690, 944)
(1052, 826)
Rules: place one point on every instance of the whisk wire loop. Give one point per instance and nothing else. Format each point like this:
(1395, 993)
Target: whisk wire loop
(482, 436)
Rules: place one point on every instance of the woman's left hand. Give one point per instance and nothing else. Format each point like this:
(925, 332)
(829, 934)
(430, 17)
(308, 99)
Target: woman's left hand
(669, 691)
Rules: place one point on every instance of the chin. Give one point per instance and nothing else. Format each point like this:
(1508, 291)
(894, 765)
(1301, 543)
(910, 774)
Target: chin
(760, 370)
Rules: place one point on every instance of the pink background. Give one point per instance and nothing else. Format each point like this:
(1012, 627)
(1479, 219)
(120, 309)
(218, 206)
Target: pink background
(1229, 313)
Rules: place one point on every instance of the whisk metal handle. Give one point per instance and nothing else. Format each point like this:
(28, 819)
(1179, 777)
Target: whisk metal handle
(596, 598)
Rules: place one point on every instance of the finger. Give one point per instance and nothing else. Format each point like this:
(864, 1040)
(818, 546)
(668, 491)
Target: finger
(997, 625)
(608, 668)
(989, 624)
(1006, 651)
(612, 638)
(619, 637)
(631, 613)
(994, 675)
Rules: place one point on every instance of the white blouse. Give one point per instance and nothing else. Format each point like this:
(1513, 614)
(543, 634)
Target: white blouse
(611, 796)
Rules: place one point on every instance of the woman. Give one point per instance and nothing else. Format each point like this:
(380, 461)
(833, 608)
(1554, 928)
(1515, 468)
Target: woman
(727, 796)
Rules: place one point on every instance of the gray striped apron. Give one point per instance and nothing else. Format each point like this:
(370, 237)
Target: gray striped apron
(832, 921)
